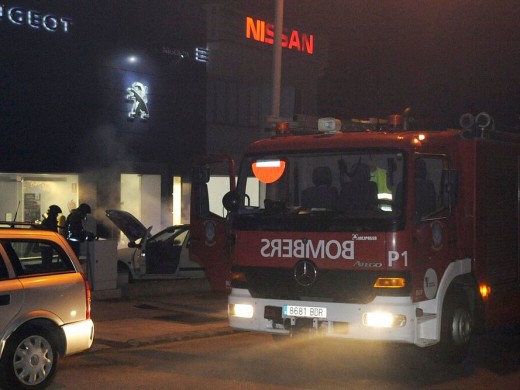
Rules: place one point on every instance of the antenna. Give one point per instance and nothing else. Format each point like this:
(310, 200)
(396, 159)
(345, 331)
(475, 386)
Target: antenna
(15, 214)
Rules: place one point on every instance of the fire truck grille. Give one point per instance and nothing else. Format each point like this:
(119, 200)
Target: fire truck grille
(329, 285)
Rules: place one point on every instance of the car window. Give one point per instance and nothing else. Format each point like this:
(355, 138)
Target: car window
(428, 184)
(31, 257)
(3, 270)
(167, 234)
(179, 240)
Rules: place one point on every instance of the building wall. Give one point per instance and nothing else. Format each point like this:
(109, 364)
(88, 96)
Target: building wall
(64, 89)
(64, 92)
(239, 72)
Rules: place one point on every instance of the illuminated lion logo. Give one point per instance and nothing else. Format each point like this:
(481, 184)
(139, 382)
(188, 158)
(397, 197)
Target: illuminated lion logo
(137, 94)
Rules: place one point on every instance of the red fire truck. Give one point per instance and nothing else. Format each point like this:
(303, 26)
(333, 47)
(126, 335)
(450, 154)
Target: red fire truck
(368, 231)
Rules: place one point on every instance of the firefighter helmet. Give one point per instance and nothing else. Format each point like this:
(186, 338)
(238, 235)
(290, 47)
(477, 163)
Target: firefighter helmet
(53, 209)
(84, 208)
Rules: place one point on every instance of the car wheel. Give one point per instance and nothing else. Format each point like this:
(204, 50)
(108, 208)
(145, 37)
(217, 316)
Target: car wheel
(456, 329)
(30, 360)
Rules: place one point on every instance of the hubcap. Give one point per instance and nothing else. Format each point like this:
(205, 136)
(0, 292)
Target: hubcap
(33, 360)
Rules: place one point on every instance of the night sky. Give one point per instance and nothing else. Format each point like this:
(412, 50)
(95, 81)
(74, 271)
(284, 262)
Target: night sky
(441, 57)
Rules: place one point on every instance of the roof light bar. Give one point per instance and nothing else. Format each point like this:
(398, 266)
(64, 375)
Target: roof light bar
(329, 125)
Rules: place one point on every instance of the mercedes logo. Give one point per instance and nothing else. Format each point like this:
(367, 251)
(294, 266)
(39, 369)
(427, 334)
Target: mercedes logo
(305, 273)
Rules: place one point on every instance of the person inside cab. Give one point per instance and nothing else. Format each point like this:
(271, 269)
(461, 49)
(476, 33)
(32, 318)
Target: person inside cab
(322, 195)
(359, 194)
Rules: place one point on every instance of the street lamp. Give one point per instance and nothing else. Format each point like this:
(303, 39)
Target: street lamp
(277, 64)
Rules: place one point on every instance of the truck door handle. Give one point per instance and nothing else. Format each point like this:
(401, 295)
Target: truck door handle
(5, 300)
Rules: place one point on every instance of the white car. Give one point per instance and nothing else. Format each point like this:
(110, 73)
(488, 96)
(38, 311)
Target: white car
(164, 255)
(44, 306)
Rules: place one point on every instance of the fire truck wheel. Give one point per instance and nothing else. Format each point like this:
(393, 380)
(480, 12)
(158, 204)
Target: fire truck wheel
(456, 329)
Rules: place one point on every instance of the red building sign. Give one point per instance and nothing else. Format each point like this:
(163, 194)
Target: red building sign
(261, 31)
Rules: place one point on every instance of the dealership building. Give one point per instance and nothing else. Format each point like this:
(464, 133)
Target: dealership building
(109, 103)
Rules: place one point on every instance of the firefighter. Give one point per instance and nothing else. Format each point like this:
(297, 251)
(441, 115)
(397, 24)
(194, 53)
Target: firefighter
(75, 232)
(50, 222)
(61, 225)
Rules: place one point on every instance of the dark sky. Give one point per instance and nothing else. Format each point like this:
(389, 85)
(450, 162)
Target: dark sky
(441, 57)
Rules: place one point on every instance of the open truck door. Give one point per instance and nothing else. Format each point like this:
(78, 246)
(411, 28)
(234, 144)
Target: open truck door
(212, 178)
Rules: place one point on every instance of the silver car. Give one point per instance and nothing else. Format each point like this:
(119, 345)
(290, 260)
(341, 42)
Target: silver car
(164, 255)
(44, 306)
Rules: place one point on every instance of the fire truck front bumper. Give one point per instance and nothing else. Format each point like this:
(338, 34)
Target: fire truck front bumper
(391, 319)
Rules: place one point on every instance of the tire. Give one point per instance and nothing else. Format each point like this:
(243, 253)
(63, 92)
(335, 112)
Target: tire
(30, 360)
(456, 329)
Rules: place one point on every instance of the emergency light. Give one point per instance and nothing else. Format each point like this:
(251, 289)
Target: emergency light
(329, 125)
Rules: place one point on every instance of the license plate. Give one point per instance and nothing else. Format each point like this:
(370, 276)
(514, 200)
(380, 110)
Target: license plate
(304, 311)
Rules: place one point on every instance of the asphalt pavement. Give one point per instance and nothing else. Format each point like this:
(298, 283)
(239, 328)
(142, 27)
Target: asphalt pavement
(150, 312)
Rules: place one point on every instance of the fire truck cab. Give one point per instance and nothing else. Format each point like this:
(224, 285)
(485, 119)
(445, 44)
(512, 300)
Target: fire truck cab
(367, 231)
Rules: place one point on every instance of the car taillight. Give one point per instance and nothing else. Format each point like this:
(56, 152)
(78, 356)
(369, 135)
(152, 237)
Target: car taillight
(88, 297)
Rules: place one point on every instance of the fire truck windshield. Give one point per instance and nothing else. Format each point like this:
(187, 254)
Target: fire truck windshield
(355, 185)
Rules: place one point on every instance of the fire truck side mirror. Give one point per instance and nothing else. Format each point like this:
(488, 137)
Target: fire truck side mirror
(450, 185)
(231, 201)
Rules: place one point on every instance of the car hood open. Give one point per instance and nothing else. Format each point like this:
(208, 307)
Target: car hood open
(127, 223)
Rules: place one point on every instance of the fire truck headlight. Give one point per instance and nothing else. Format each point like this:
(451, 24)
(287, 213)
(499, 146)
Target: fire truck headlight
(240, 310)
(383, 320)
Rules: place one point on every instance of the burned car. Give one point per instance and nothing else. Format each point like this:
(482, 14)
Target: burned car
(163, 255)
